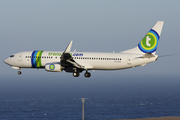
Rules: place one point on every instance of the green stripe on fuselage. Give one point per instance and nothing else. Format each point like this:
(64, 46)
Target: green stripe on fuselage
(38, 59)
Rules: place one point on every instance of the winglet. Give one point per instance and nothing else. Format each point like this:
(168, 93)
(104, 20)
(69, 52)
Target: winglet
(68, 47)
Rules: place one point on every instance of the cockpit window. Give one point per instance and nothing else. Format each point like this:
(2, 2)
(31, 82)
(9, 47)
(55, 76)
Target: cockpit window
(11, 56)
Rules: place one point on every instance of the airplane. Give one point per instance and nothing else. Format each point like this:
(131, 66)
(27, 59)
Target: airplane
(77, 62)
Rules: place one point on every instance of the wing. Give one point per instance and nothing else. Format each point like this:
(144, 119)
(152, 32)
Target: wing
(67, 60)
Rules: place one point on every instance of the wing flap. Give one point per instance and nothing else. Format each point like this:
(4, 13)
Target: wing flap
(87, 66)
(67, 60)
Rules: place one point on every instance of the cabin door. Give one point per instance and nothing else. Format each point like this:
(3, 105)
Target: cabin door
(20, 58)
(129, 60)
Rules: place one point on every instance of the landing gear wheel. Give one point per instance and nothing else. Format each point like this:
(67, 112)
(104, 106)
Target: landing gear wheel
(19, 72)
(75, 74)
(87, 74)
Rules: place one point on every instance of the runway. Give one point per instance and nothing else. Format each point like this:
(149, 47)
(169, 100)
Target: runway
(159, 118)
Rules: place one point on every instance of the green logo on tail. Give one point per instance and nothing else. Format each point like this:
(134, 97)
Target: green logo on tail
(149, 42)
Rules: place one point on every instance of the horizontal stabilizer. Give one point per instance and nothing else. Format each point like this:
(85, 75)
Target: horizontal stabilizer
(148, 55)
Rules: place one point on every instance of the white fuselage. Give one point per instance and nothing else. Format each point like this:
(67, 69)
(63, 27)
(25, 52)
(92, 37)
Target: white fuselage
(90, 60)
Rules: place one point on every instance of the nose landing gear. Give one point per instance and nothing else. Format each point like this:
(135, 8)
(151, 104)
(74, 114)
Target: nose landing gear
(19, 72)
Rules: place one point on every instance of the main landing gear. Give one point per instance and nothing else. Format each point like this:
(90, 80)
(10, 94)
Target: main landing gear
(76, 73)
(87, 74)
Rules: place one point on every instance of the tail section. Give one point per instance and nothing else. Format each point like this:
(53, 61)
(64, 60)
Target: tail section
(149, 43)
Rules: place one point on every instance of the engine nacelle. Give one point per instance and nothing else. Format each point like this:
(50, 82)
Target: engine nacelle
(53, 67)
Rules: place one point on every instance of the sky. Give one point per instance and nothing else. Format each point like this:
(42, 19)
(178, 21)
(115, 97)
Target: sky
(93, 26)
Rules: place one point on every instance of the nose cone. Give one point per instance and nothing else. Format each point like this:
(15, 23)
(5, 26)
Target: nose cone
(6, 61)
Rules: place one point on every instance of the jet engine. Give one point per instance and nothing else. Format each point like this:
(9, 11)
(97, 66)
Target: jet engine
(53, 67)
